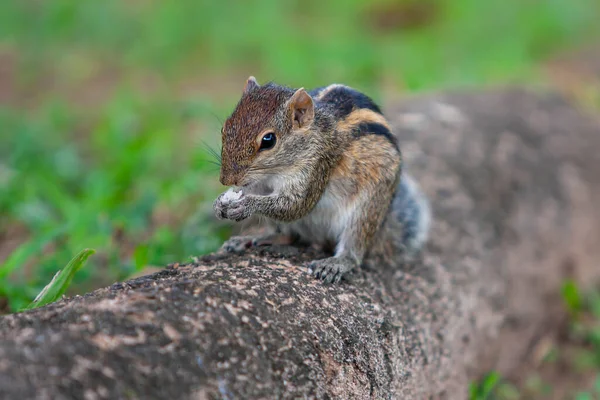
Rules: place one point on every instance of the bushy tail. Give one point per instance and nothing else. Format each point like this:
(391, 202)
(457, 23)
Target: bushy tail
(412, 209)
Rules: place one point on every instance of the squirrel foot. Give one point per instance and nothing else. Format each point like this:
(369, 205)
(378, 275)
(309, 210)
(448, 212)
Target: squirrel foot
(330, 270)
(236, 244)
(240, 243)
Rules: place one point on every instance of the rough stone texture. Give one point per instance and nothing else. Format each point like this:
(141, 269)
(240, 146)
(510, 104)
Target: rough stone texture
(514, 179)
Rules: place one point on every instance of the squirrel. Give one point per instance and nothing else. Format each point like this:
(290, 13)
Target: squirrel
(322, 167)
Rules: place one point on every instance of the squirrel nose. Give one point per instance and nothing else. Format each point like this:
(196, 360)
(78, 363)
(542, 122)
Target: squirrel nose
(231, 173)
(228, 179)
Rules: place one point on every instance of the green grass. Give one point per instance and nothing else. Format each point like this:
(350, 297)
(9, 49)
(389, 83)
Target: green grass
(106, 190)
(101, 142)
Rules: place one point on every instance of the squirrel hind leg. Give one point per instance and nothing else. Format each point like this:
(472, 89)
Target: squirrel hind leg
(413, 211)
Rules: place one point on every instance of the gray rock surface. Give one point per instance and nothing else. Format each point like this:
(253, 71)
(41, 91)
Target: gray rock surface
(514, 181)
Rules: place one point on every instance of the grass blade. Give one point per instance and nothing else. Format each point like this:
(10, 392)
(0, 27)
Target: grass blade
(572, 297)
(61, 281)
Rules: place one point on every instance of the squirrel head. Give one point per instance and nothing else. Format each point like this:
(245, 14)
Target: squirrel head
(266, 133)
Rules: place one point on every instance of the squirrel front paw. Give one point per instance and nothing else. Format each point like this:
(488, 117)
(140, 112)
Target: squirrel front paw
(330, 270)
(232, 205)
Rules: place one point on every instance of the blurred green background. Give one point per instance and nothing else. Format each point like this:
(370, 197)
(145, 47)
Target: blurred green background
(107, 107)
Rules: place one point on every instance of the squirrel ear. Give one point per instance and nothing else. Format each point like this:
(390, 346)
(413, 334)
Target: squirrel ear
(302, 108)
(251, 84)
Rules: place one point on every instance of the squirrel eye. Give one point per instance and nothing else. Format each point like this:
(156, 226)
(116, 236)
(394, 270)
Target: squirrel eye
(267, 141)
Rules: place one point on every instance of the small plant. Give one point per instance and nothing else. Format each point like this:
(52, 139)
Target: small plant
(491, 387)
(483, 390)
(572, 297)
(61, 281)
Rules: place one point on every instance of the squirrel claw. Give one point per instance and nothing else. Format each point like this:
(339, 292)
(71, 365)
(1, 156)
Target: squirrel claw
(219, 210)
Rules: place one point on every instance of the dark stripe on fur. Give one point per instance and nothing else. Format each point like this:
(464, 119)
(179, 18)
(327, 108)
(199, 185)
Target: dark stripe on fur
(343, 100)
(315, 92)
(373, 128)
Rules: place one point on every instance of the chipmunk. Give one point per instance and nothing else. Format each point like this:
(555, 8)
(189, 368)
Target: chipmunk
(322, 167)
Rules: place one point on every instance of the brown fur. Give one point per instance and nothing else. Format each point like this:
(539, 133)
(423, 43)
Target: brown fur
(330, 177)
(253, 115)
